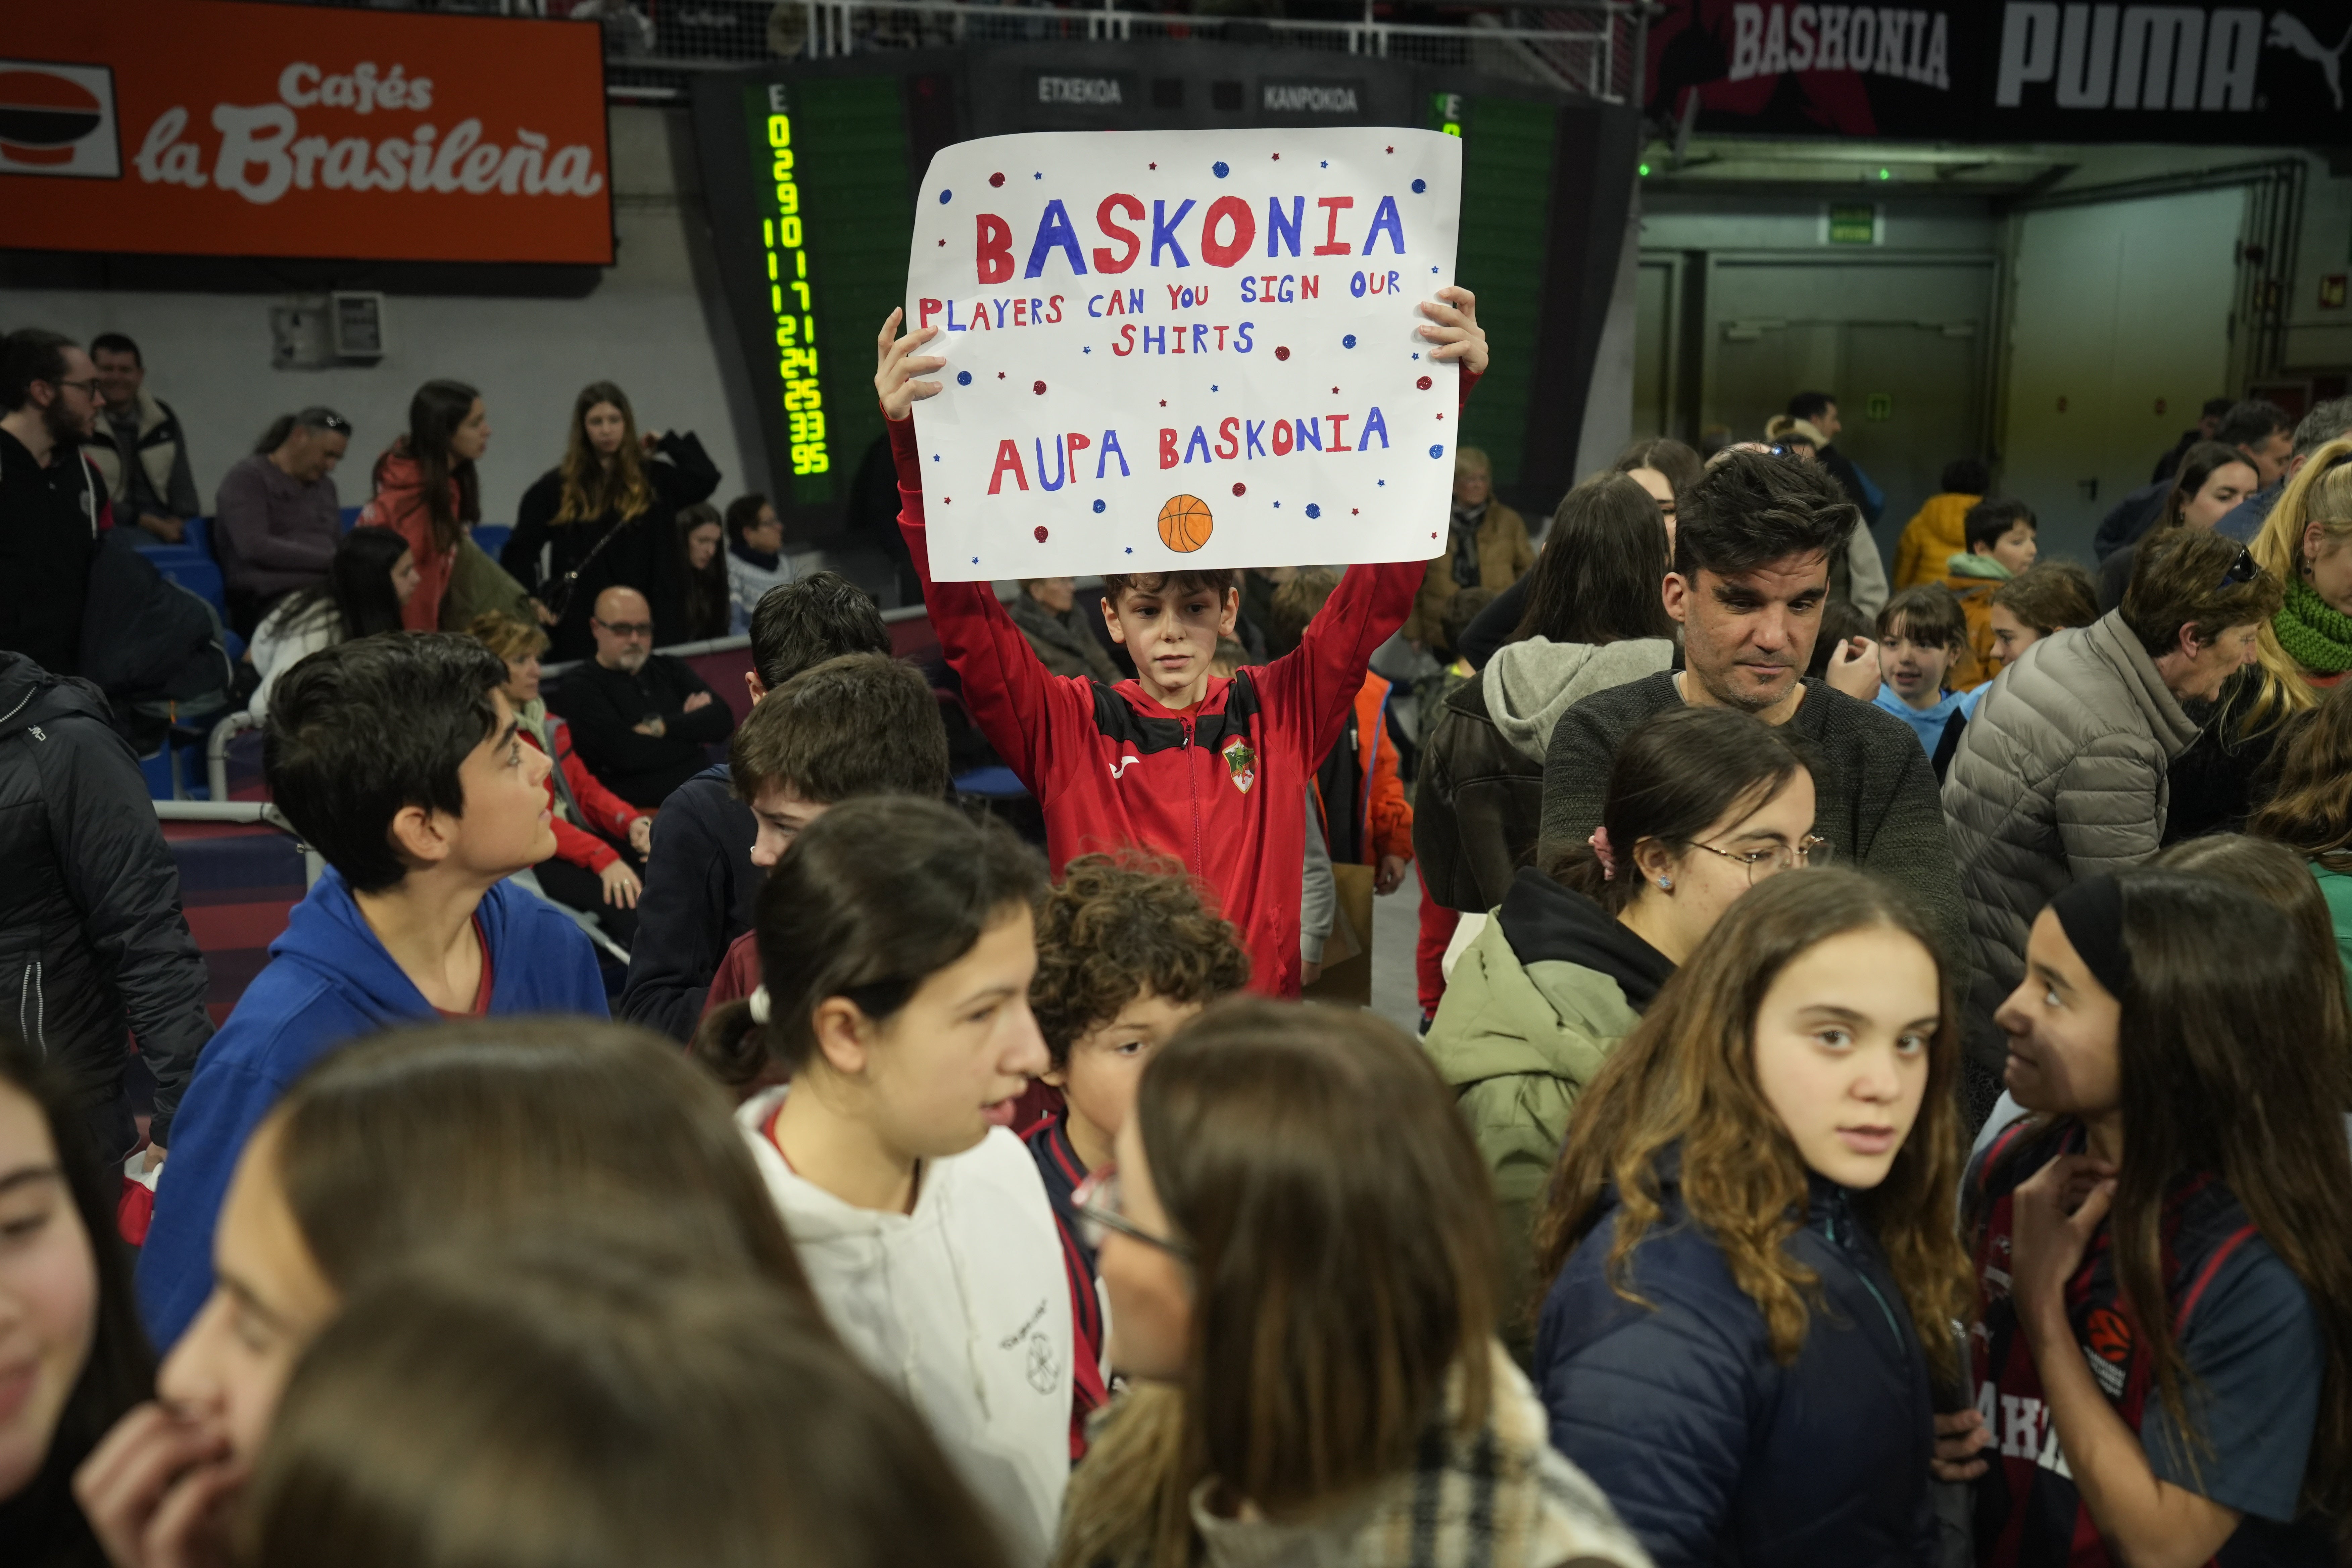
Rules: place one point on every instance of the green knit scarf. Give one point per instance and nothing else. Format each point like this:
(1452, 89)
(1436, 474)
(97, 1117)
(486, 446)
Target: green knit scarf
(2314, 635)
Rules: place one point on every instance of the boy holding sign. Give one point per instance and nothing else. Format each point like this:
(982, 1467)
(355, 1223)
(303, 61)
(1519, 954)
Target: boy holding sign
(1207, 769)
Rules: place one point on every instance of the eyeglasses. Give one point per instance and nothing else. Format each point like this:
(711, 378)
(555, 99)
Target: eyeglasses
(2241, 570)
(625, 628)
(86, 388)
(1098, 1205)
(1810, 850)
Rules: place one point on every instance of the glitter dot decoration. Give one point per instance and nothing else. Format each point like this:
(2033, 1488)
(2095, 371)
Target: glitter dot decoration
(1282, 353)
(943, 201)
(1041, 533)
(1220, 169)
(1038, 387)
(1240, 488)
(1349, 342)
(1419, 186)
(1314, 511)
(1422, 383)
(996, 180)
(1098, 505)
(1436, 452)
(963, 378)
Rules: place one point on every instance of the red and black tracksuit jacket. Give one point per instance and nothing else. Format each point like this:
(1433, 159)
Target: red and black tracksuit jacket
(1221, 787)
(1057, 1163)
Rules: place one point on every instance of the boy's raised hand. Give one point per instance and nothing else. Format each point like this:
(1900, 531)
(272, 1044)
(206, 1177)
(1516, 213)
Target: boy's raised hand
(895, 365)
(1458, 332)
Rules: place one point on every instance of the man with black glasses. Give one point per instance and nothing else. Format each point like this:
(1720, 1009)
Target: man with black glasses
(640, 720)
(276, 517)
(51, 497)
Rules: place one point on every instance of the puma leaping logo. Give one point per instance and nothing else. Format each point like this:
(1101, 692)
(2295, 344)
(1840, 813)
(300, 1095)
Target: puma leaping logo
(1124, 763)
(2289, 33)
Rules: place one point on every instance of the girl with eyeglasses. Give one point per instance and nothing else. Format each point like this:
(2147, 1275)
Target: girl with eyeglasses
(897, 945)
(1703, 803)
(1753, 1265)
(1299, 1250)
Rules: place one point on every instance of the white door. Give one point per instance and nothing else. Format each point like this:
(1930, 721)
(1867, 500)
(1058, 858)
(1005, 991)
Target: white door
(2117, 308)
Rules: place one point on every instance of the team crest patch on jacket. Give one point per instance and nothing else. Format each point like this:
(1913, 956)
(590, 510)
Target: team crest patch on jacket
(1241, 762)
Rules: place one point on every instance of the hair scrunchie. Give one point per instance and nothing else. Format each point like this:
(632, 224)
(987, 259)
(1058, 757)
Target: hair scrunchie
(760, 1006)
(1600, 843)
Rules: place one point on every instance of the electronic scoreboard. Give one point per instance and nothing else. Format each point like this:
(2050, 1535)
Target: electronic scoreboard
(810, 172)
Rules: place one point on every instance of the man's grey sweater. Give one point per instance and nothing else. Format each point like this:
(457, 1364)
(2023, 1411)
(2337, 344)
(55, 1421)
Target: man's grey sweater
(1874, 791)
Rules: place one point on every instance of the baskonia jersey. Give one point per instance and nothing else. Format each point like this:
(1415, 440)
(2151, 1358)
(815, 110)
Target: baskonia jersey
(2244, 1326)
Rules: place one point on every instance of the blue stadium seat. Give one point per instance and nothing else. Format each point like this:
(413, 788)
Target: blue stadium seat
(492, 537)
(200, 574)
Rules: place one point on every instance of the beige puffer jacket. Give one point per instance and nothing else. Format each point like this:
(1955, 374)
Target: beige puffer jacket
(2059, 775)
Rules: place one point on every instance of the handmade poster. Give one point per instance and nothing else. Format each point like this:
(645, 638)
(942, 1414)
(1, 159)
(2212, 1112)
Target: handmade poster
(1185, 348)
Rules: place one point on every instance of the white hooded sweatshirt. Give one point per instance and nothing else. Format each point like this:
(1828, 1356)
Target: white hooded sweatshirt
(962, 1306)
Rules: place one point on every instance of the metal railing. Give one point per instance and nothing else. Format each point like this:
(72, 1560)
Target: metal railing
(1591, 47)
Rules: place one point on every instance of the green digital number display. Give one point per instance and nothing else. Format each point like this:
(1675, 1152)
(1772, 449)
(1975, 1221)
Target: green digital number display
(793, 301)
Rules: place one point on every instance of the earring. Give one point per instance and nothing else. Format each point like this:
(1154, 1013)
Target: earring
(1665, 884)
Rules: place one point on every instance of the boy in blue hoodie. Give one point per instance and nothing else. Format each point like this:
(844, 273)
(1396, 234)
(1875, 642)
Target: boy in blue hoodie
(397, 759)
(1920, 632)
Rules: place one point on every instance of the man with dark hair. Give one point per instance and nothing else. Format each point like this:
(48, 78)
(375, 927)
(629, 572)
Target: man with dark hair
(398, 758)
(90, 911)
(2060, 774)
(2328, 421)
(640, 719)
(137, 446)
(700, 882)
(1751, 573)
(858, 725)
(1820, 410)
(52, 499)
(276, 517)
(2208, 421)
(2259, 431)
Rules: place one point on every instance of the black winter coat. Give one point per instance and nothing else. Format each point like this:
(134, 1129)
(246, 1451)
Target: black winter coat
(701, 893)
(1479, 808)
(644, 554)
(92, 941)
(1712, 1451)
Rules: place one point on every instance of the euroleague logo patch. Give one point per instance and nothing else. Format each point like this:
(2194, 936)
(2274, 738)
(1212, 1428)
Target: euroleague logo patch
(59, 119)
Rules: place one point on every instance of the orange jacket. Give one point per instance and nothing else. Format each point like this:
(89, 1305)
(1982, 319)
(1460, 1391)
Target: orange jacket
(1932, 537)
(1383, 816)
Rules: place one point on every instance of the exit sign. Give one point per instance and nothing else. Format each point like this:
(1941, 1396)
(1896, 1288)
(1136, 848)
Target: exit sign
(1854, 224)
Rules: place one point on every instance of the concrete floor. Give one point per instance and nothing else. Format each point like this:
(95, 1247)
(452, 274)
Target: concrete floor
(1396, 927)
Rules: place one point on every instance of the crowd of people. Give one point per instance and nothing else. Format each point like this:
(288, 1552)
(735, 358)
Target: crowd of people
(1882, 1098)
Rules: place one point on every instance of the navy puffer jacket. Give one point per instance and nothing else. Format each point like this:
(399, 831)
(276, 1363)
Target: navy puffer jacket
(1712, 1451)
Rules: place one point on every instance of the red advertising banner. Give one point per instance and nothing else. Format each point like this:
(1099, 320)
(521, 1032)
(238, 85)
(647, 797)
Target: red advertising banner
(211, 128)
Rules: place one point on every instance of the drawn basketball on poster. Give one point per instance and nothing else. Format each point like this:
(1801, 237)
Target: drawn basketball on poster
(1185, 523)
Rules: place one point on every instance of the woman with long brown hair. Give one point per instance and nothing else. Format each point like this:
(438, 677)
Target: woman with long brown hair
(2211, 480)
(486, 1131)
(1748, 1236)
(1299, 1250)
(427, 492)
(2310, 811)
(607, 514)
(597, 1402)
(2164, 1298)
